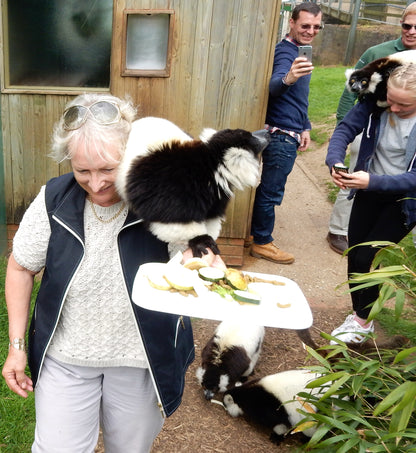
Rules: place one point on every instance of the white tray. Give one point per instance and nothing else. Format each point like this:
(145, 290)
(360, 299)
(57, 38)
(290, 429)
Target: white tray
(210, 305)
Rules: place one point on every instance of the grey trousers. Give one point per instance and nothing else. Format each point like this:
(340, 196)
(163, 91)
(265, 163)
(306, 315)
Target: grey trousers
(340, 215)
(72, 401)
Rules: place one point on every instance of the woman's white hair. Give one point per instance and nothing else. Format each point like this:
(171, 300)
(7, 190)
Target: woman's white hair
(94, 136)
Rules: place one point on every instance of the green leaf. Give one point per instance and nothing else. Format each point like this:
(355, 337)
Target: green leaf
(404, 354)
(396, 395)
(352, 442)
(400, 420)
(384, 272)
(321, 432)
(386, 292)
(333, 440)
(318, 357)
(407, 400)
(400, 299)
(335, 386)
(335, 423)
(319, 382)
(408, 434)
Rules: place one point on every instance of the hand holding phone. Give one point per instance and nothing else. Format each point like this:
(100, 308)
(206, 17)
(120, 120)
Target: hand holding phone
(340, 169)
(305, 52)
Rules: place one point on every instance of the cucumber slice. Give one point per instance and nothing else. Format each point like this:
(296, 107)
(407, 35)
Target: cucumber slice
(211, 274)
(246, 296)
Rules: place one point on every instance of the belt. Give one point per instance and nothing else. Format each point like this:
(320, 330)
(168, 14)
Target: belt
(278, 131)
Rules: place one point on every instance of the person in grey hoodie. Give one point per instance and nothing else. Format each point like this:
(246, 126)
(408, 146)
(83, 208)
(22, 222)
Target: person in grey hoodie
(383, 183)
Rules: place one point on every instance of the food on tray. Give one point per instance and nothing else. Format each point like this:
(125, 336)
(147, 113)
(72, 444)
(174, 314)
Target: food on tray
(280, 305)
(251, 279)
(179, 277)
(211, 274)
(222, 289)
(232, 284)
(158, 281)
(195, 263)
(236, 279)
(247, 297)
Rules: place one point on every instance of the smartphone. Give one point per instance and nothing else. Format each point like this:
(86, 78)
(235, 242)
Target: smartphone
(306, 52)
(341, 169)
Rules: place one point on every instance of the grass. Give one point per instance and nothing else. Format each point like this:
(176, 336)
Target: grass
(327, 85)
(17, 415)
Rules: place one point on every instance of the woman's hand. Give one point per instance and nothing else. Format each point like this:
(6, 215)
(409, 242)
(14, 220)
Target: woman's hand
(211, 259)
(14, 373)
(357, 180)
(18, 288)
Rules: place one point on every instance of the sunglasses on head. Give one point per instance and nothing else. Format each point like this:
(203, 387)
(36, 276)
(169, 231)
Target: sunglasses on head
(307, 27)
(102, 112)
(408, 27)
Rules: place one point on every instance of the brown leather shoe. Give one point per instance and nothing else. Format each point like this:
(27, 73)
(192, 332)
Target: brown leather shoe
(337, 242)
(271, 252)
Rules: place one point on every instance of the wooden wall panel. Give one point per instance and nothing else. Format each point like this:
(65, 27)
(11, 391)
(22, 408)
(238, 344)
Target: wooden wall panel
(220, 66)
(27, 124)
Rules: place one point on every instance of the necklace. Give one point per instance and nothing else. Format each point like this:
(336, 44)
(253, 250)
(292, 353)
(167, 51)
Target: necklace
(123, 205)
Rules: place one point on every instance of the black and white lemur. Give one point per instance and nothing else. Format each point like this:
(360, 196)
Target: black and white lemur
(230, 356)
(181, 186)
(372, 78)
(272, 401)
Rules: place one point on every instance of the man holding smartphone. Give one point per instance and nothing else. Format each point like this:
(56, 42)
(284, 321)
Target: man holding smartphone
(288, 124)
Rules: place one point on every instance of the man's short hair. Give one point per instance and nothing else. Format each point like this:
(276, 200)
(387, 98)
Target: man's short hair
(411, 9)
(308, 7)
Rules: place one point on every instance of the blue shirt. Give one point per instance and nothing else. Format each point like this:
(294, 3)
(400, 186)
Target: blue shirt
(288, 104)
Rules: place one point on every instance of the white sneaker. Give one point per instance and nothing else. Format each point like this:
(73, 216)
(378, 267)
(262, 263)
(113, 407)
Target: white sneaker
(351, 331)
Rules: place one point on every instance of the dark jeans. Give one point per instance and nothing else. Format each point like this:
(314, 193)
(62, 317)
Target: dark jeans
(374, 217)
(278, 160)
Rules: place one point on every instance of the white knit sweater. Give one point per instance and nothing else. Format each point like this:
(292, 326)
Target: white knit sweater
(96, 326)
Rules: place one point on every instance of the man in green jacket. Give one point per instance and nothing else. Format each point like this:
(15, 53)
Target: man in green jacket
(338, 223)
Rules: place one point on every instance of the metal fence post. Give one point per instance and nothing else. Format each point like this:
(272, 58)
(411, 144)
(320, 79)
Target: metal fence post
(352, 33)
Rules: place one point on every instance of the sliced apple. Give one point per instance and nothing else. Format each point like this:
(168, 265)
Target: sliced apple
(195, 263)
(180, 277)
(158, 281)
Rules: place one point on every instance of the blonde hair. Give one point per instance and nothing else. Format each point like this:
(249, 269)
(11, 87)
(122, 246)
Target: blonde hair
(94, 136)
(404, 77)
(411, 9)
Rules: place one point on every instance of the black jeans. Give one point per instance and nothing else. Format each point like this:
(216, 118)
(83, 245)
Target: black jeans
(375, 216)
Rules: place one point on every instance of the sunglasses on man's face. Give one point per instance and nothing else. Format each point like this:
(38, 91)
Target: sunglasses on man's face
(408, 27)
(307, 27)
(102, 112)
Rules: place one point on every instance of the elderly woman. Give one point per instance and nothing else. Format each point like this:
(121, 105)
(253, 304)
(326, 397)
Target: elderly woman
(94, 356)
(383, 184)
